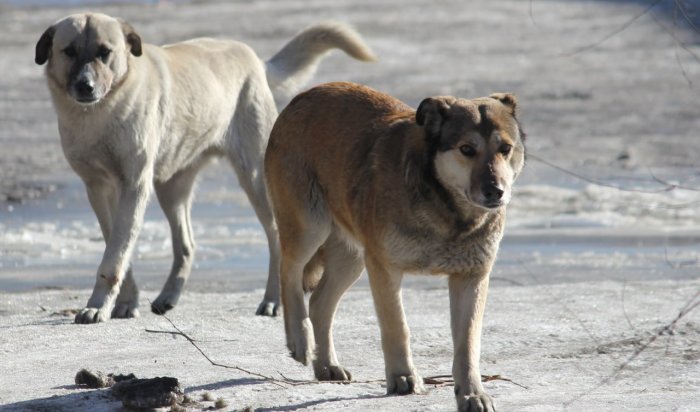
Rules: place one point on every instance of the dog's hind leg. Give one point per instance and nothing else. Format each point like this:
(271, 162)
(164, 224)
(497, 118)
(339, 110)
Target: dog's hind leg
(247, 141)
(300, 241)
(304, 227)
(175, 198)
(257, 195)
(342, 267)
(401, 375)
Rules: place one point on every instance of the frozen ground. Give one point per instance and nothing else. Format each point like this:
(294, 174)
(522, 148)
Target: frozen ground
(559, 342)
(586, 273)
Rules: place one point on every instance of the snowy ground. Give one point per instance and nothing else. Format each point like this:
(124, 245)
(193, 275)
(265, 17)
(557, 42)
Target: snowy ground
(557, 342)
(586, 275)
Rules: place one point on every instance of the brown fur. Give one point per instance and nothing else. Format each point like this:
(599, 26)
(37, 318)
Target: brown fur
(380, 185)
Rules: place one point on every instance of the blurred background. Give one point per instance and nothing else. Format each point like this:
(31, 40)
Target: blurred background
(608, 96)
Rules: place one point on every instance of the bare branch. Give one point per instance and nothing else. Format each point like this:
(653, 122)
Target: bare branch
(624, 309)
(615, 32)
(531, 14)
(238, 368)
(679, 43)
(439, 380)
(667, 188)
(676, 265)
(447, 380)
(171, 332)
(675, 185)
(562, 303)
(680, 6)
(690, 305)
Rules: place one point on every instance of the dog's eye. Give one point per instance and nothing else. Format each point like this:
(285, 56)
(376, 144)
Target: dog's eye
(70, 52)
(467, 150)
(103, 53)
(505, 149)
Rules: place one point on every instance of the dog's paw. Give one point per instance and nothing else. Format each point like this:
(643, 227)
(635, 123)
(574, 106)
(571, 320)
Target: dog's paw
(125, 310)
(92, 315)
(301, 343)
(127, 304)
(405, 385)
(331, 372)
(163, 303)
(268, 308)
(475, 403)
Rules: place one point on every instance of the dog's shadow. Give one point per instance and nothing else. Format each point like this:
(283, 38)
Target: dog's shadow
(225, 384)
(308, 404)
(86, 400)
(73, 402)
(289, 407)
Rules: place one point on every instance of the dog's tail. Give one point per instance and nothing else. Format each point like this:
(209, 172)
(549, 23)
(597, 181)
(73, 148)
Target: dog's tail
(293, 66)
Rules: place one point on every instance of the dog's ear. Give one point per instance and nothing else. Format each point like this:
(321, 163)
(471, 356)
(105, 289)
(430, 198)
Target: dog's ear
(508, 100)
(43, 46)
(132, 38)
(431, 113)
(511, 102)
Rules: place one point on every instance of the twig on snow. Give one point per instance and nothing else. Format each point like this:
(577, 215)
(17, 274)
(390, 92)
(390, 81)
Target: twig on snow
(615, 32)
(680, 6)
(676, 265)
(447, 380)
(531, 14)
(238, 368)
(678, 43)
(668, 186)
(624, 309)
(690, 305)
(438, 380)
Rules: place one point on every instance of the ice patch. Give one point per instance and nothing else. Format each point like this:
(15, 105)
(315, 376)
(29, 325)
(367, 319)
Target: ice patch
(545, 207)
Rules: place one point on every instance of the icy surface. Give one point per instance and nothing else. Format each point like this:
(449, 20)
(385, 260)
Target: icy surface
(586, 274)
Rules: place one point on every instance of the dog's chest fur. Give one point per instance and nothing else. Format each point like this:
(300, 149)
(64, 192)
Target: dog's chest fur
(425, 248)
(95, 143)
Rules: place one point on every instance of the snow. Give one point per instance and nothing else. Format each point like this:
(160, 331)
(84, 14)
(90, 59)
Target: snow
(586, 273)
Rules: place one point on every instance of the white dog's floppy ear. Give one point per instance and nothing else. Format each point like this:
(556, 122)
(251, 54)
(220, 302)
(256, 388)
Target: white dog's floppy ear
(509, 100)
(431, 113)
(133, 39)
(43, 46)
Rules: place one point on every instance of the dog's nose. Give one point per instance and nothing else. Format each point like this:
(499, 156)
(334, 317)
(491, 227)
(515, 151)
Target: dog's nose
(85, 87)
(492, 192)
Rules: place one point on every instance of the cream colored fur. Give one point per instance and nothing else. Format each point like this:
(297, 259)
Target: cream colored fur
(136, 118)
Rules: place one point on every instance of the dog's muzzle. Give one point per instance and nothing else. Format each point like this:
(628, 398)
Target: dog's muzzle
(84, 89)
(493, 195)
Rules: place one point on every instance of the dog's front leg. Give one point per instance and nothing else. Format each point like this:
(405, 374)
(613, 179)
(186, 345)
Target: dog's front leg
(401, 375)
(126, 224)
(103, 199)
(467, 301)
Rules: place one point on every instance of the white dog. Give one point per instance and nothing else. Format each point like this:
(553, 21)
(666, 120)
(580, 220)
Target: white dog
(134, 116)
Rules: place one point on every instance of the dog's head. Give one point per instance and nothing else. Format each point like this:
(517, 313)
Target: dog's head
(476, 146)
(87, 54)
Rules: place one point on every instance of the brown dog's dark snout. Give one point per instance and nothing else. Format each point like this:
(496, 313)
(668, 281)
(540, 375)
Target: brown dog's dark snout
(493, 189)
(493, 192)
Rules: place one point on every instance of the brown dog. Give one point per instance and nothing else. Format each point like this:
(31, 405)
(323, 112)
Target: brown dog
(368, 181)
